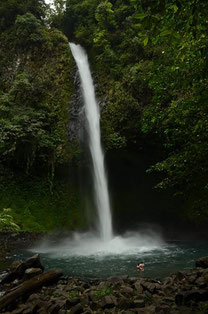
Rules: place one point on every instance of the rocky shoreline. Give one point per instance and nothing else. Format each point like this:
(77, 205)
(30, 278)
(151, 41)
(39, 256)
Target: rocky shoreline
(27, 289)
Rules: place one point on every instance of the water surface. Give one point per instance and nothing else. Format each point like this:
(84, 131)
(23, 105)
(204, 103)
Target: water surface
(159, 262)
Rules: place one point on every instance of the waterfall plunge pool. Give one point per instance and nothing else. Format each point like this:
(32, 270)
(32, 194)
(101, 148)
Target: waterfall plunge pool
(85, 256)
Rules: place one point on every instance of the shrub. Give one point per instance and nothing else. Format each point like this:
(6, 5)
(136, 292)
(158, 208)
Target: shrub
(7, 221)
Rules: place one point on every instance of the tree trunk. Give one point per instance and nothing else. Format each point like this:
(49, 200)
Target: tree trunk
(29, 286)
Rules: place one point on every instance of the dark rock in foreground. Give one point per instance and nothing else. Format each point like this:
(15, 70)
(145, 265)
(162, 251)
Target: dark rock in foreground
(20, 270)
(180, 293)
(202, 262)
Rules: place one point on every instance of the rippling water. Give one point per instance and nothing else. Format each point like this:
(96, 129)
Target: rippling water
(161, 259)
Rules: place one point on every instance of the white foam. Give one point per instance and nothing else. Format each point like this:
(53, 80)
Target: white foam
(86, 244)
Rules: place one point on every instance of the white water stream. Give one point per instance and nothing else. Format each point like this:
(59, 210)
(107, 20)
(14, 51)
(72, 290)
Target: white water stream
(90, 244)
(92, 113)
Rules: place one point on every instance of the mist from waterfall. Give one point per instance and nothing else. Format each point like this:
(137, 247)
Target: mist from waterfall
(92, 114)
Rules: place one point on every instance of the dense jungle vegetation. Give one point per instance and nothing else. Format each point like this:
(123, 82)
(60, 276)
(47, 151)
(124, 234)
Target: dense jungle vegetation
(149, 61)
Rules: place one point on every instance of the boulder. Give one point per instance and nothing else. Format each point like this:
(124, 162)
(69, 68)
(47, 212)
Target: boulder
(126, 290)
(149, 286)
(20, 309)
(77, 309)
(15, 264)
(74, 300)
(188, 297)
(33, 298)
(162, 308)
(32, 272)
(180, 276)
(139, 303)
(200, 282)
(106, 302)
(115, 280)
(202, 262)
(138, 287)
(18, 272)
(27, 287)
(192, 278)
(27, 311)
(125, 303)
(54, 308)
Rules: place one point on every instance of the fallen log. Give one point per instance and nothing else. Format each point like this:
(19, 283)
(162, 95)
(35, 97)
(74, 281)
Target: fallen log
(29, 286)
(19, 270)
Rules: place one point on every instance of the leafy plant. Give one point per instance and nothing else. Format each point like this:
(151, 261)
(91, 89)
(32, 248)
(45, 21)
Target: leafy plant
(99, 293)
(73, 294)
(7, 222)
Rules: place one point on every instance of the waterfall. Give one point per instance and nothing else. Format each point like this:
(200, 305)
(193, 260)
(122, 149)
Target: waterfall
(92, 114)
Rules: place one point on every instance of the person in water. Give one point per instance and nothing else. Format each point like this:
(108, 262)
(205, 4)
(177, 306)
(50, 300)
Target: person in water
(140, 266)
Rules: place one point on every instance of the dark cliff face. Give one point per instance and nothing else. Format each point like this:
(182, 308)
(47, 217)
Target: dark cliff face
(137, 205)
(134, 199)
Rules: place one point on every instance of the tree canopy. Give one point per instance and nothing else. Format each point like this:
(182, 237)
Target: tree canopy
(34, 88)
(149, 61)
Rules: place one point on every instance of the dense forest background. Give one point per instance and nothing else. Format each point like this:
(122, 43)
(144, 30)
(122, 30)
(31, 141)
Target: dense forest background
(149, 62)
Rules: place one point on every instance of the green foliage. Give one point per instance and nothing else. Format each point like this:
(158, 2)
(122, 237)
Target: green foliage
(34, 93)
(115, 51)
(178, 113)
(203, 308)
(102, 292)
(7, 221)
(150, 60)
(10, 9)
(73, 294)
(29, 30)
(35, 209)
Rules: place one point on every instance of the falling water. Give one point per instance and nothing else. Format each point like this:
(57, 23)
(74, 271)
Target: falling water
(93, 127)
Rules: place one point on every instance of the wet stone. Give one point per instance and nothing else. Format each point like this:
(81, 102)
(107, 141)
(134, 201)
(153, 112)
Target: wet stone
(33, 297)
(180, 276)
(59, 292)
(54, 309)
(115, 280)
(124, 303)
(74, 301)
(138, 287)
(162, 308)
(61, 312)
(192, 278)
(77, 309)
(127, 290)
(200, 282)
(20, 309)
(148, 294)
(139, 303)
(188, 297)
(202, 262)
(106, 302)
(32, 272)
(27, 311)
